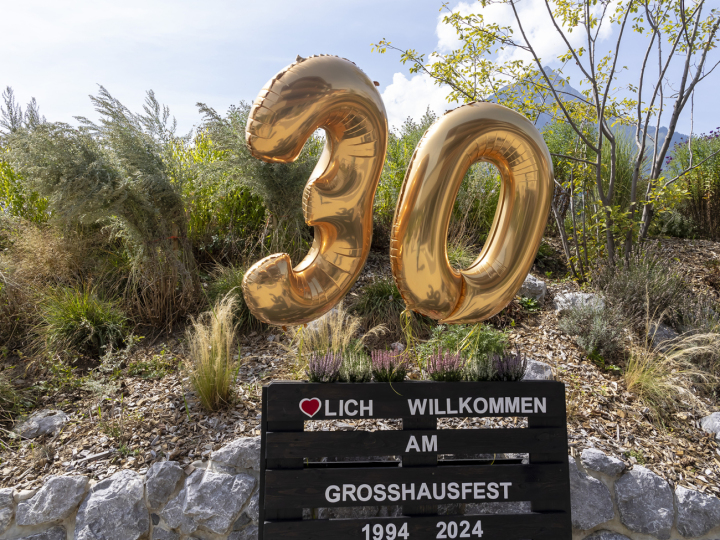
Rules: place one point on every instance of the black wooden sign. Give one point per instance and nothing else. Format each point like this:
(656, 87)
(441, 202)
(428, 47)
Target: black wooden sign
(432, 468)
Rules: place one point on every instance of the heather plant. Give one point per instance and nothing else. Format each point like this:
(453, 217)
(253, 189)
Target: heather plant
(509, 366)
(324, 368)
(388, 366)
(597, 328)
(355, 367)
(479, 368)
(445, 366)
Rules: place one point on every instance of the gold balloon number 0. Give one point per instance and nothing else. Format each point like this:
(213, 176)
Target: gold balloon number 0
(332, 93)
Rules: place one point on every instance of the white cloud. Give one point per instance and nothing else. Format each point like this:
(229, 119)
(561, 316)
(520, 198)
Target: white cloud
(409, 98)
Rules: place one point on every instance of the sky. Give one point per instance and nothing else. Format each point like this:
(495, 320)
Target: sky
(221, 52)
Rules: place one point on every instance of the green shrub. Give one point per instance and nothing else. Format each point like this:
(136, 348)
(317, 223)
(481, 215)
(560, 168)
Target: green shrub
(702, 183)
(228, 280)
(597, 329)
(379, 302)
(648, 287)
(81, 321)
(461, 253)
(211, 338)
(356, 367)
(470, 340)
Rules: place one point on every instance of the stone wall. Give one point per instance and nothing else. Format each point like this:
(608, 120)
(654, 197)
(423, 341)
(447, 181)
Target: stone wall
(218, 500)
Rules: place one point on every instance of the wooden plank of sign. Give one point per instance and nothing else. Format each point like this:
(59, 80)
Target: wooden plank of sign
(493, 527)
(395, 443)
(393, 401)
(307, 488)
(280, 426)
(559, 456)
(419, 424)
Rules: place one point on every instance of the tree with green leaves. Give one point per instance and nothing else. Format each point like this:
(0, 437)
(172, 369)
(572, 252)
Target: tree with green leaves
(677, 35)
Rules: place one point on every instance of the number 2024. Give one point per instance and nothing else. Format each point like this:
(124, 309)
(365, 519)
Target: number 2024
(447, 530)
(334, 94)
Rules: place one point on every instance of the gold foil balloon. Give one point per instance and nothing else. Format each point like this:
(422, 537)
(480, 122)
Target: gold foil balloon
(331, 93)
(418, 247)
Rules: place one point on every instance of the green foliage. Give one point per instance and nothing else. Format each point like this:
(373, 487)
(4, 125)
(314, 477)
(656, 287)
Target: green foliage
(118, 173)
(470, 340)
(380, 302)
(228, 280)
(225, 220)
(15, 200)
(597, 328)
(649, 287)
(702, 182)
(529, 304)
(80, 320)
(356, 367)
(156, 368)
(279, 185)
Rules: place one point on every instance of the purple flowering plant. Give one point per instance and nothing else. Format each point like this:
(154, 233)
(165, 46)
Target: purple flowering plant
(388, 366)
(509, 366)
(445, 366)
(324, 367)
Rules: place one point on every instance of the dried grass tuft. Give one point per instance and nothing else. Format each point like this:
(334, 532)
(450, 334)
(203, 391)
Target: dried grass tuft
(211, 338)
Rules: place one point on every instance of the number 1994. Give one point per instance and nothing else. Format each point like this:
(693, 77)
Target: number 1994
(389, 532)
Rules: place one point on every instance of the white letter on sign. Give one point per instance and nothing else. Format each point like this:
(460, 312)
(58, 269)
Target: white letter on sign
(412, 444)
(429, 444)
(332, 497)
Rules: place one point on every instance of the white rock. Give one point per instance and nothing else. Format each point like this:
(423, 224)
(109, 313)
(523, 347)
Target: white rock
(114, 509)
(7, 504)
(591, 503)
(56, 500)
(538, 371)
(697, 513)
(711, 424)
(242, 453)
(43, 422)
(55, 533)
(162, 534)
(645, 502)
(533, 288)
(248, 533)
(161, 481)
(253, 508)
(595, 460)
(565, 301)
(606, 535)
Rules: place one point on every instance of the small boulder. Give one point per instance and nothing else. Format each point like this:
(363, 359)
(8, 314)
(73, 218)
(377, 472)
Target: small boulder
(711, 424)
(564, 301)
(660, 335)
(591, 503)
(242, 453)
(161, 481)
(397, 347)
(7, 504)
(162, 534)
(43, 422)
(56, 500)
(606, 535)
(645, 502)
(253, 508)
(538, 371)
(595, 460)
(56, 533)
(697, 513)
(533, 288)
(115, 508)
(248, 533)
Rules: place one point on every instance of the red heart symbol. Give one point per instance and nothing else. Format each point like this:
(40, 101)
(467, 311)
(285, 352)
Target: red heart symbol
(310, 406)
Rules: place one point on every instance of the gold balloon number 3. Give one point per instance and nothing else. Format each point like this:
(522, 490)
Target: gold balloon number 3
(332, 93)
